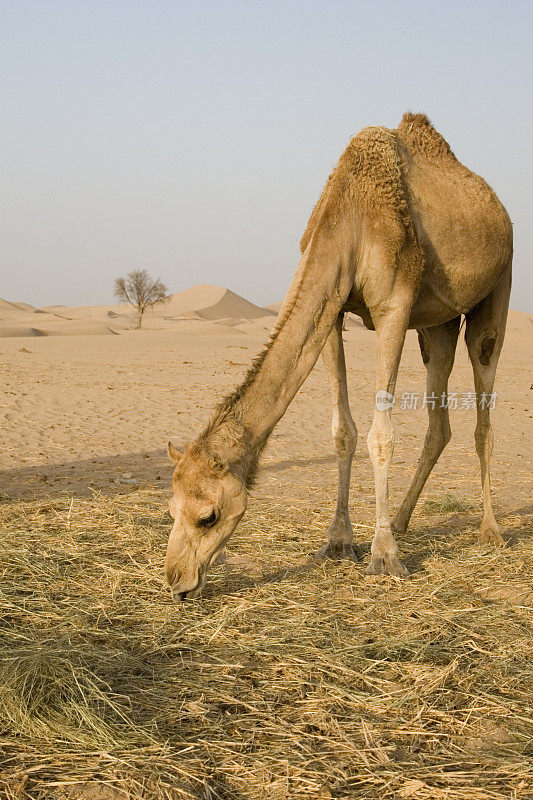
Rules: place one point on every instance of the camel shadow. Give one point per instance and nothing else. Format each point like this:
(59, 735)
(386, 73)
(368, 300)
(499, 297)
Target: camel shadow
(288, 463)
(107, 475)
(238, 577)
(442, 532)
(81, 478)
(233, 580)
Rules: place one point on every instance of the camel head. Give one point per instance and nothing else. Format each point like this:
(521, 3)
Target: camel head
(207, 502)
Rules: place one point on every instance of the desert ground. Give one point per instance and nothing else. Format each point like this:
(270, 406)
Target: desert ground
(289, 678)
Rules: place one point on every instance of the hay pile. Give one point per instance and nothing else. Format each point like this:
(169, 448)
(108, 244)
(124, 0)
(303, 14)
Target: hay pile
(286, 681)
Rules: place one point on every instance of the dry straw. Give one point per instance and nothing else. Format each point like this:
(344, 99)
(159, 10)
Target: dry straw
(287, 680)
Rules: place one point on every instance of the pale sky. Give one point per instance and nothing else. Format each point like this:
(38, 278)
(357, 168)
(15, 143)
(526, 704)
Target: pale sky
(193, 138)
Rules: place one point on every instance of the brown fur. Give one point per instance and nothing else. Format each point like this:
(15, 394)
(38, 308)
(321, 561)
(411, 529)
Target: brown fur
(423, 138)
(407, 237)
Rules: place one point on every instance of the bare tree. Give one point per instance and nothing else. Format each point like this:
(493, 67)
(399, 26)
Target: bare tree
(142, 291)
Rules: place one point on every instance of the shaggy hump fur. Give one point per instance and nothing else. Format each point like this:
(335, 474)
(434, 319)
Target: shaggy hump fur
(367, 180)
(422, 137)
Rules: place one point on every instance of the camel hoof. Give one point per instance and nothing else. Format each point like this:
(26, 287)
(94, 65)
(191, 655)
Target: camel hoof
(337, 552)
(387, 565)
(491, 535)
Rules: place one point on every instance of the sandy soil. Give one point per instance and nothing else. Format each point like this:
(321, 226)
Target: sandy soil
(85, 413)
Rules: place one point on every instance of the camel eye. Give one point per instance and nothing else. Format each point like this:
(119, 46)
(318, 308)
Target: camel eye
(208, 522)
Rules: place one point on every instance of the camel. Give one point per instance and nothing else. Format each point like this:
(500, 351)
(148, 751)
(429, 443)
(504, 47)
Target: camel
(404, 236)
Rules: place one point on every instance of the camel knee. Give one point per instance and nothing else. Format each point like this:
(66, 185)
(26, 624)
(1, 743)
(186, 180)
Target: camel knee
(345, 444)
(380, 441)
(344, 435)
(483, 436)
(345, 441)
(438, 436)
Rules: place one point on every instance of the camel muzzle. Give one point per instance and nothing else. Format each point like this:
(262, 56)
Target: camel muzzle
(189, 594)
(179, 593)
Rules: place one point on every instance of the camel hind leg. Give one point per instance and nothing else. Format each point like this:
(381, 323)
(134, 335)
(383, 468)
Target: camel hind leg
(485, 332)
(437, 346)
(344, 432)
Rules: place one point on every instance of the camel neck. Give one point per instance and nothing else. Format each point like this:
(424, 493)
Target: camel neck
(315, 298)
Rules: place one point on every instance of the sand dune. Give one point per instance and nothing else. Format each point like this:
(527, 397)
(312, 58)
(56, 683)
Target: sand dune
(197, 327)
(8, 329)
(22, 319)
(202, 309)
(76, 328)
(87, 328)
(210, 302)
(10, 310)
(202, 301)
(86, 312)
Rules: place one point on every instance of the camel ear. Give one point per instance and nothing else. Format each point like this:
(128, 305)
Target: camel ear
(174, 452)
(217, 464)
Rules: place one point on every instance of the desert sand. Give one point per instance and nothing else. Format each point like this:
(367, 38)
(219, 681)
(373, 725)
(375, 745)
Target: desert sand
(80, 411)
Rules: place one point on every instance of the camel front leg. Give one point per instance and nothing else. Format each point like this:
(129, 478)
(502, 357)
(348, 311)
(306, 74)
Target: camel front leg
(344, 432)
(438, 351)
(391, 334)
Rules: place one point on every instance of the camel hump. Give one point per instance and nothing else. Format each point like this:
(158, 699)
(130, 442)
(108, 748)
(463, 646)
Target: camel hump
(370, 172)
(367, 177)
(422, 137)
